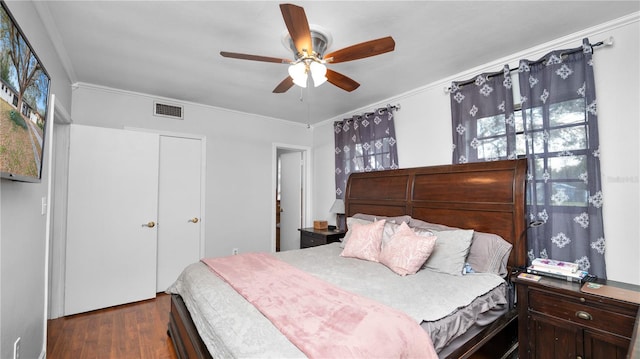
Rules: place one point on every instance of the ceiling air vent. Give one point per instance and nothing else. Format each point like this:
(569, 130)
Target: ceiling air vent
(165, 110)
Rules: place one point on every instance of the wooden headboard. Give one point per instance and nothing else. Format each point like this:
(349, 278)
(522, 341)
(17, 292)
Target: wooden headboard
(484, 196)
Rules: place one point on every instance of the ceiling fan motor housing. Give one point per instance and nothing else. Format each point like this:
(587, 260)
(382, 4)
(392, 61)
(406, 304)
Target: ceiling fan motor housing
(318, 41)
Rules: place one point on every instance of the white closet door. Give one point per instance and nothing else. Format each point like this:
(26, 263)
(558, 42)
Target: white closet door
(290, 200)
(179, 206)
(112, 202)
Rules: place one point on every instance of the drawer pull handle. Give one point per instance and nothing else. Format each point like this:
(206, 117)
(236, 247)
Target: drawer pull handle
(583, 315)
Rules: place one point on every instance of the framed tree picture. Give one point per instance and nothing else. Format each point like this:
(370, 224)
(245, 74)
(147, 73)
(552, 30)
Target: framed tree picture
(24, 102)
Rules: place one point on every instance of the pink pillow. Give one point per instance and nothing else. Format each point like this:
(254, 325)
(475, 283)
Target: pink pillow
(407, 251)
(365, 241)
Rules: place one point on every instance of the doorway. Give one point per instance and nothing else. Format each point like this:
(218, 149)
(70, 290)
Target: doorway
(291, 195)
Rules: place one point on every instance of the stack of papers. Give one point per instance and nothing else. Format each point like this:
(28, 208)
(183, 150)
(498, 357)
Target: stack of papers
(557, 269)
(555, 266)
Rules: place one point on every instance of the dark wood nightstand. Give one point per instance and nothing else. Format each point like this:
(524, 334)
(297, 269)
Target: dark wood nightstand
(310, 237)
(558, 320)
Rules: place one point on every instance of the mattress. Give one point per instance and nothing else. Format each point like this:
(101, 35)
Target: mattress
(444, 305)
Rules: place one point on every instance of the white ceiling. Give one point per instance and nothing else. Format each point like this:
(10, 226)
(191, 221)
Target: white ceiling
(171, 48)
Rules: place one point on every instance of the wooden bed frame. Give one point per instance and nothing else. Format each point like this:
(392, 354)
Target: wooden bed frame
(485, 196)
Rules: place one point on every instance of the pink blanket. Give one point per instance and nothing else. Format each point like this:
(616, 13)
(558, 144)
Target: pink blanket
(322, 320)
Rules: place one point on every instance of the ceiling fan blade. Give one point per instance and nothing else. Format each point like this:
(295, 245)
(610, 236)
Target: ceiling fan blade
(298, 26)
(361, 50)
(341, 81)
(285, 85)
(235, 55)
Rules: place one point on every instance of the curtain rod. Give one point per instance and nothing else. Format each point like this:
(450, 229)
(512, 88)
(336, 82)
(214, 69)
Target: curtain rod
(393, 107)
(607, 42)
(388, 108)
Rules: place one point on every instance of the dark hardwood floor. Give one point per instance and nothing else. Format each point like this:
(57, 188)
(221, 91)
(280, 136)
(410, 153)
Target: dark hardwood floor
(130, 331)
(137, 330)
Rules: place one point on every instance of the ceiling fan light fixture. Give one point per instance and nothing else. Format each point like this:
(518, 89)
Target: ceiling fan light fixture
(318, 73)
(298, 73)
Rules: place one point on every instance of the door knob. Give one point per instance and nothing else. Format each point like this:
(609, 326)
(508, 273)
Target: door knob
(150, 224)
(194, 220)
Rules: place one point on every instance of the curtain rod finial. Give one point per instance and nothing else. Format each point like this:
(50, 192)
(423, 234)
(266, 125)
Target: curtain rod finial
(608, 41)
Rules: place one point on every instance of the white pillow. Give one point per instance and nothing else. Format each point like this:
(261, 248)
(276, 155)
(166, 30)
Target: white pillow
(489, 253)
(450, 252)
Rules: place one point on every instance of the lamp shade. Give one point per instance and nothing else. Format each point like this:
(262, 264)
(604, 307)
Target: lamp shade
(318, 73)
(338, 206)
(298, 73)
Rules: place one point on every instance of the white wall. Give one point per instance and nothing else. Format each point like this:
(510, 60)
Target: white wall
(239, 197)
(23, 240)
(240, 184)
(423, 131)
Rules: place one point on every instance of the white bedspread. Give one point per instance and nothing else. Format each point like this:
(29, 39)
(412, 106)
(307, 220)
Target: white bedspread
(231, 327)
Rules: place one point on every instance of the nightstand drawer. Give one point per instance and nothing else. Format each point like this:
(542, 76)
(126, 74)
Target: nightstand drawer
(315, 235)
(587, 313)
(310, 237)
(311, 241)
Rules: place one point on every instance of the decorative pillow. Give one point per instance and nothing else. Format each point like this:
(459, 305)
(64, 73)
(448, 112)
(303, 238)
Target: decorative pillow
(450, 251)
(350, 222)
(489, 253)
(365, 241)
(390, 226)
(407, 251)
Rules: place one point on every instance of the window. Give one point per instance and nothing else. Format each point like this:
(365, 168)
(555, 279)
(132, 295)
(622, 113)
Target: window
(562, 171)
(555, 128)
(491, 138)
(364, 143)
(563, 168)
(365, 160)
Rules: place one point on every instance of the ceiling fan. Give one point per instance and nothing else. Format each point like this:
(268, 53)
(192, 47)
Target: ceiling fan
(308, 47)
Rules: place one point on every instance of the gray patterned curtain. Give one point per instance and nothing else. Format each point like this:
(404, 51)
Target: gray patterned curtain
(364, 143)
(561, 132)
(482, 118)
